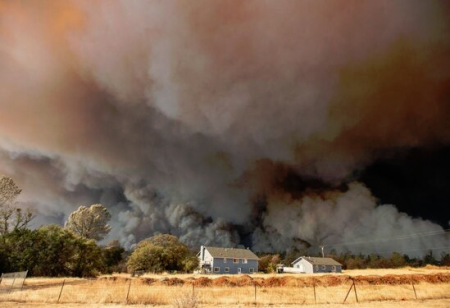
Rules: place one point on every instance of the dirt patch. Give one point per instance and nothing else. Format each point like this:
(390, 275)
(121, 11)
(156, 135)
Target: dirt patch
(223, 281)
(146, 281)
(170, 281)
(242, 280)
(290, 280)
(114, 279)
(327, 280)
(203, 282)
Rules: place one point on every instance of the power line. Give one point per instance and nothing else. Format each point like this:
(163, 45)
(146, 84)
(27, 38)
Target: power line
(402, 237)
(407, 250)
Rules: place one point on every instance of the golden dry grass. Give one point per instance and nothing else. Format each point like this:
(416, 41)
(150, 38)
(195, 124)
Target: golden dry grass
(429, 269)
(393, 289)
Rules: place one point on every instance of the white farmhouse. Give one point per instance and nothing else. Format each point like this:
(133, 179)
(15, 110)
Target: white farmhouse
(311, 265)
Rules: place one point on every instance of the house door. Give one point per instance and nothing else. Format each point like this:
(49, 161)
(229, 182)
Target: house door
(239, 270)
(302, 269)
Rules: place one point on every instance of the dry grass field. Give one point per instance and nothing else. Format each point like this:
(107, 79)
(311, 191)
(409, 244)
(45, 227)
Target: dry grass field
(374, 288)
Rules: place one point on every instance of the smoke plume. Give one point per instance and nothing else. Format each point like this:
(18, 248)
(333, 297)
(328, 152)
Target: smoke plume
(225, 122)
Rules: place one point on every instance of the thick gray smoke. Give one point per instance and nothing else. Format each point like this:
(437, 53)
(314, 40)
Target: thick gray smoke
(187, 116)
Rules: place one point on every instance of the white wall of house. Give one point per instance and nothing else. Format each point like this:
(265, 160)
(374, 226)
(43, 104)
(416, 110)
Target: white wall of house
(205, 256)
(303, 266)
(293, 270)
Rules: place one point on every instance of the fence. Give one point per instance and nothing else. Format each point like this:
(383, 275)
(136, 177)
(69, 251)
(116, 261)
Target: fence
(139, 291)
(12, 281)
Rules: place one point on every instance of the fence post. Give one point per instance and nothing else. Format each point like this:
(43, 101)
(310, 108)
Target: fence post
(60, 292)
(354, 288)
(347, 294)
(314, 287)
(255, 292)
(128, 293)
(193, 290)
(414, 288)
(23, 282)
(12, 286)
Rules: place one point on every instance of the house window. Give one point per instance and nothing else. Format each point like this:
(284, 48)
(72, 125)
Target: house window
(324, 267)
(333, 268)
(235, 260)
(244, 261)
(227, 270)
(250, 270)
(216, 269)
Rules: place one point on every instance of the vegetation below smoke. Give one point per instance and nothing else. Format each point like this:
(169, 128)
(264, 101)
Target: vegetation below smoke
(349, 260)
(53, 250)
(50, 251)
(163, 252)
(56, 251)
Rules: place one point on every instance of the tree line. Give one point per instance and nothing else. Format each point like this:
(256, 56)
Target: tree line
(349, 260)
(73, 249)
(53, 250)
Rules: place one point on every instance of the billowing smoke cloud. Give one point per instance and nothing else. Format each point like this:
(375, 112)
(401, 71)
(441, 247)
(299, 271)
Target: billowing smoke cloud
(227, 122)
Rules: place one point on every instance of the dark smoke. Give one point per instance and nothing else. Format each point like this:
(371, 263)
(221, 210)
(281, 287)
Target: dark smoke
(230, 122)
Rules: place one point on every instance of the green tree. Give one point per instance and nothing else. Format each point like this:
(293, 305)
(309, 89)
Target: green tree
(58, 251)
(445, 259)
(356, 262)
(429, 258)
(50, 251)
(11, 216)
(163, 252)
(63, 253)
(90, 222)
(21, 254)
(263, 265)
(191, 263)
(113, 256)
(88, 259)
(397, 260)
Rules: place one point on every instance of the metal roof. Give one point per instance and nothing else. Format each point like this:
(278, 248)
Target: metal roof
(319, 261)
(232, 253)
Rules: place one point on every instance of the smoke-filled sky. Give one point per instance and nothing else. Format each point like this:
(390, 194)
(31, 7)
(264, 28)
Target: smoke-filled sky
(270, 124)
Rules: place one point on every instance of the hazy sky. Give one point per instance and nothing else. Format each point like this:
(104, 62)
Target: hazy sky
(269, 124)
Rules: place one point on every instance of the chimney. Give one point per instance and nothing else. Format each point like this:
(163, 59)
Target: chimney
(202, 252)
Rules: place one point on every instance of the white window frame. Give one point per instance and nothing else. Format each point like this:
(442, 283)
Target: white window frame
(226, 270)
(244, 261)
(324, 267)
(236, 261)
(216, 269)
(251, 270)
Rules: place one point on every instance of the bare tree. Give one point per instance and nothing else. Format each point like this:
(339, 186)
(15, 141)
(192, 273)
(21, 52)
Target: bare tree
(90, 222)
(9, 212)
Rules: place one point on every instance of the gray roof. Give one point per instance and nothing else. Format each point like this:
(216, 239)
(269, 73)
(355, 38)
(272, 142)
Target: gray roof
(232, 253)
(319, 261)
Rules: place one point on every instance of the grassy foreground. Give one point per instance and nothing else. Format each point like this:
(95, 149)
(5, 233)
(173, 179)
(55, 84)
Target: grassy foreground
(380, 288)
